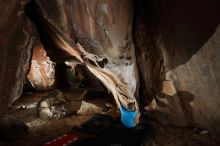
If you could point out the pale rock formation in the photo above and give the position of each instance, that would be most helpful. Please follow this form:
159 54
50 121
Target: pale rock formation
42 70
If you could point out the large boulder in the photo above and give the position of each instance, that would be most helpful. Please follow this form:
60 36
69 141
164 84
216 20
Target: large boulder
178 53
16 40
42 70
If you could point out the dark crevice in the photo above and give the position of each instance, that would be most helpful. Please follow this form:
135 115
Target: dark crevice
53 52
146 16
141 84
32 11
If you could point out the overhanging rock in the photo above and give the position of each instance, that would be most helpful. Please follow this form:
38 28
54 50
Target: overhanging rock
16 40
99 35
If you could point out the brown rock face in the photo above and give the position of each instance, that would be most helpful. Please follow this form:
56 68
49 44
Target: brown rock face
99 35
178 55
42 70
16 39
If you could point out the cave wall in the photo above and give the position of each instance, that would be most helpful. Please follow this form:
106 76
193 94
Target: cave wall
42 70
99 34
16 39
178 56
176 48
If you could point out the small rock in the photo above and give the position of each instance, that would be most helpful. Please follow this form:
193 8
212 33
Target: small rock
108 105
53 105
88 108
204 132
22 107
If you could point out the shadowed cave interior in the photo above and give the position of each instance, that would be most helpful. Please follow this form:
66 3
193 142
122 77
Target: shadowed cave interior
69 68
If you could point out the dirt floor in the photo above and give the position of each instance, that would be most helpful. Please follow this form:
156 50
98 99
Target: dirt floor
42 131
181 136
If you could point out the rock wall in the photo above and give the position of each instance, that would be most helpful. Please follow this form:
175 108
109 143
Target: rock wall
16 40
99 35
176 49
42 70
178 56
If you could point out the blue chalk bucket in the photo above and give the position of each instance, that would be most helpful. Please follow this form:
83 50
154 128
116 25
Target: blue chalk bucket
127 117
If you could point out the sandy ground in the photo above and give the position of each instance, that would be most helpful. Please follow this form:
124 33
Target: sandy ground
42 131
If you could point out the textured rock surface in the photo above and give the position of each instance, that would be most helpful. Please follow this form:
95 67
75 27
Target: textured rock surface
198 85
88 108
178 56
42 70
98 34
16 39
52 106
177 52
